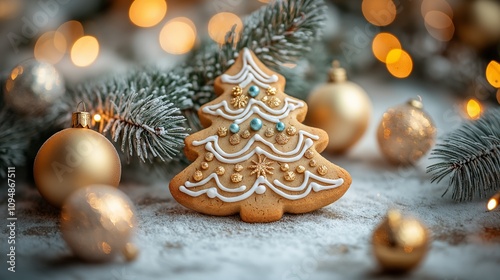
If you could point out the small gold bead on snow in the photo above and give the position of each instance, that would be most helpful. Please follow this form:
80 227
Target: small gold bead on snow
197 176
236 177
220 170
204 165
322 170
238 167
309 154
300 169
209 156
284 167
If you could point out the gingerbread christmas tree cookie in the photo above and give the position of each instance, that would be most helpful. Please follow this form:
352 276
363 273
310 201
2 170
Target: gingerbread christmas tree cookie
255 156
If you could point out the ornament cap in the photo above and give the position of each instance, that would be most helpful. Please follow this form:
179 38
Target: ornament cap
416 103
81 119
337 73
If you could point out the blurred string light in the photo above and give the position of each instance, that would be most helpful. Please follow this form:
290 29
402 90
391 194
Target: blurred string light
498 96
50 47
438 19
265 1
71 30
221 23
493 202
383 43
178 36
10 8
399 63
147 13
493 73
85 51
97 118
379 12
473 109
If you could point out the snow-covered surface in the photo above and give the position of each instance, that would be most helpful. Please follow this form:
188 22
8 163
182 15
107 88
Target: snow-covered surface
331 243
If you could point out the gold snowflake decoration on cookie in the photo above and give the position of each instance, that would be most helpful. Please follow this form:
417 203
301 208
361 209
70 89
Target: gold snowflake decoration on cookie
239 101
262 167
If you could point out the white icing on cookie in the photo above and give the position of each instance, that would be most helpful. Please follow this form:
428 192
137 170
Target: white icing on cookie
242 114
259 188
216 178
250 72
226 158
257 137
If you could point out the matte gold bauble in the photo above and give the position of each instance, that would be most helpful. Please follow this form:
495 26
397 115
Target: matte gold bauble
400 243
74 158
406 133
341 108
97 223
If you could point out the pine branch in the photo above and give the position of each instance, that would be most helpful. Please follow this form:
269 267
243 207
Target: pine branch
280 32
470 158
15 135
142 113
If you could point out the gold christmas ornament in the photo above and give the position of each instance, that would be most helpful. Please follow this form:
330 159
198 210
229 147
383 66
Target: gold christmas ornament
341 108
400 243
406 133
74 158
32 87
97 223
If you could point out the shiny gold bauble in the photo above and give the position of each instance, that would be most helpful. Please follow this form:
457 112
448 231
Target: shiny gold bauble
406 133
400 243
74 158
341 108
33 86
97 223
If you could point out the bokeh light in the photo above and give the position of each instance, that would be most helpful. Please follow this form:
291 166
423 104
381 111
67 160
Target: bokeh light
147 13
493 73
439 25
50 47
97 118
10 8
178 36
498 96
379 12
383 43
399 63
436 5
492 204
71 30
473 109
85 51
221 23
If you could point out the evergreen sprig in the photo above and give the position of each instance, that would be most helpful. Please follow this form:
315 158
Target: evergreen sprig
141 112
15 135
470 158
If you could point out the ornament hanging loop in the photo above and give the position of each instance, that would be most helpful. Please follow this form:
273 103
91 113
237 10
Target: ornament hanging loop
81 119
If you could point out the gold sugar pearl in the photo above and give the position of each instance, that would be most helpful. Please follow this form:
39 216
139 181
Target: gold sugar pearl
274 102
282 139
245 134
289 176
265 99
197 176
269 132
271 91
222 131
300 169
204 165
237 91
313 163
291 130
236 177
238 167
322 170
284 167
235 139
220 170
209 156
309 154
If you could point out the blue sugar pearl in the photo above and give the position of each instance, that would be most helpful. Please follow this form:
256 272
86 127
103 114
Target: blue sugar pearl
234 128
253 91
256 124
280 126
